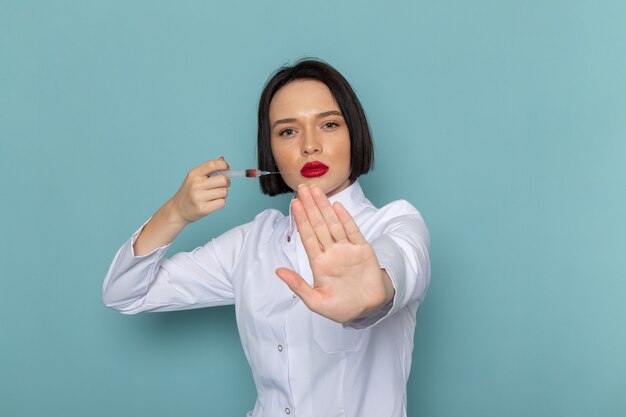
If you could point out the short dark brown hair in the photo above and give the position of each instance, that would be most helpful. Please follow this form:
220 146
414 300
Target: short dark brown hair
361 146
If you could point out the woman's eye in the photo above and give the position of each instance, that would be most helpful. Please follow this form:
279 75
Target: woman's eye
330 125
286 132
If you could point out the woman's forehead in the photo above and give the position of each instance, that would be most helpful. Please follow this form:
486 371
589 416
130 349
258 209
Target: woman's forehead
302 96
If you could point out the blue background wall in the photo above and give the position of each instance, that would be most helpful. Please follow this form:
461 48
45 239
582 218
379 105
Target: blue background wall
504 122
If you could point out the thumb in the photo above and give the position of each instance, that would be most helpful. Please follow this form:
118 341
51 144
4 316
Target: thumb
297 284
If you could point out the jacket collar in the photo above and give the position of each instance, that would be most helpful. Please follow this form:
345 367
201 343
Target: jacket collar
352 198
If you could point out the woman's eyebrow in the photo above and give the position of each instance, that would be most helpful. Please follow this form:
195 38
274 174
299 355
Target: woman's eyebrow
319 116
329 113
277 122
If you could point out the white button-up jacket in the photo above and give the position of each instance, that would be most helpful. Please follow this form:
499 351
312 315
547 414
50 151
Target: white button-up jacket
303 364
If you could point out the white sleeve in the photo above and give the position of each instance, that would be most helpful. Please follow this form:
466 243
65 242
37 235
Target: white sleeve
402 251
200 278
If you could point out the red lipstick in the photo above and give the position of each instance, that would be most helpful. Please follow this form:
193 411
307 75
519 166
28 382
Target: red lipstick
313 169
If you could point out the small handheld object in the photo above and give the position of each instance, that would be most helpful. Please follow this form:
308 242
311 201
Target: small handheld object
247 173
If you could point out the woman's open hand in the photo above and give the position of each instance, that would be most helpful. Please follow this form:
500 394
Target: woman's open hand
348 282
200 194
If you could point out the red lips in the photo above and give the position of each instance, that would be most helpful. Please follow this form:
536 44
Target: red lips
313 169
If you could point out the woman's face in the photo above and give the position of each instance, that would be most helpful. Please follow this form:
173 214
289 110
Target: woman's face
309 137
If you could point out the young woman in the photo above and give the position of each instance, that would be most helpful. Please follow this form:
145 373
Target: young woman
325 297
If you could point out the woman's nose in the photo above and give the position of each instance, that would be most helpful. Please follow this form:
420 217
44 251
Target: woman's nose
311 143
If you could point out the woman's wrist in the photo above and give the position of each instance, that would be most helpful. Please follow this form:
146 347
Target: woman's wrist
161 230
171 215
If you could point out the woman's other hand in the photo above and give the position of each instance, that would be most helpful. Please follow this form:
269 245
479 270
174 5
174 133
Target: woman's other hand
348 282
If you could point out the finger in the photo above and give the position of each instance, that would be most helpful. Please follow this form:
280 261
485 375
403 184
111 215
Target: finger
330 217
215 181
212 194
352 230
309 239
213 205
211 166
298 285
315 217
